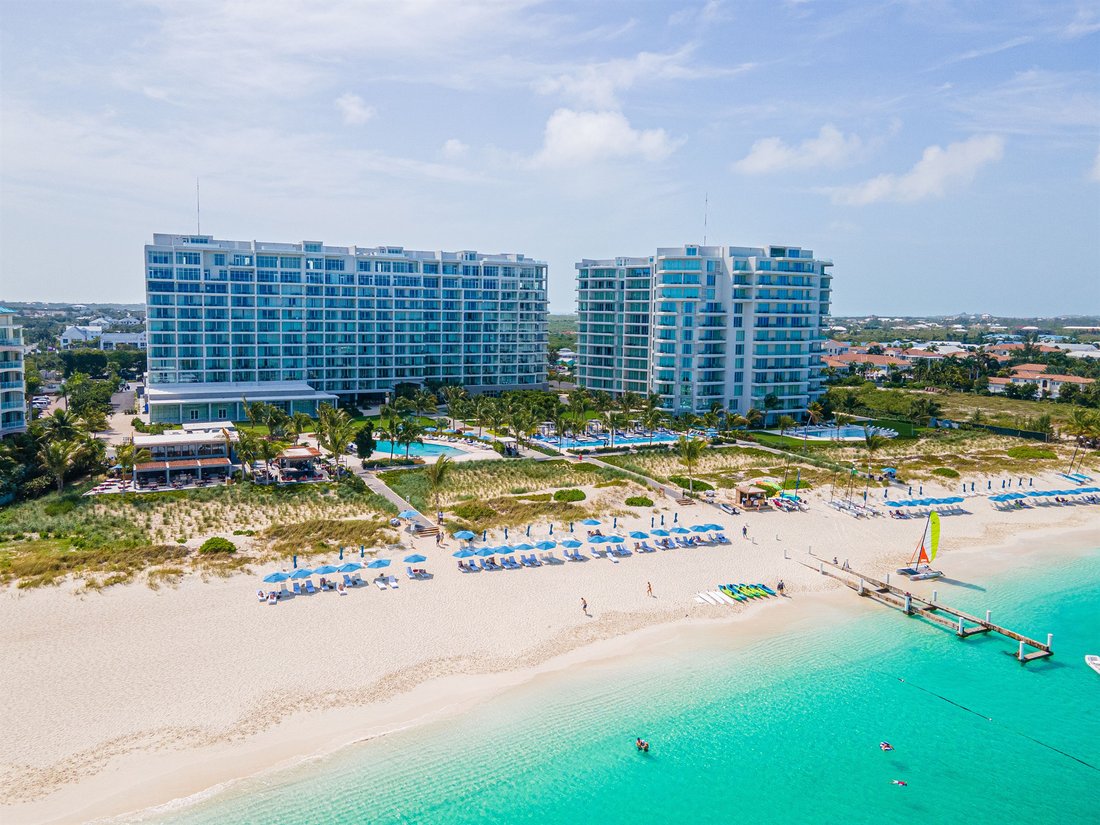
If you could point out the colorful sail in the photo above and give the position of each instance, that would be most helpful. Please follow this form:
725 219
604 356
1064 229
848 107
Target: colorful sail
934 535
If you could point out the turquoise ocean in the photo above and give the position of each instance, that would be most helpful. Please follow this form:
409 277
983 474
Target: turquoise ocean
778 730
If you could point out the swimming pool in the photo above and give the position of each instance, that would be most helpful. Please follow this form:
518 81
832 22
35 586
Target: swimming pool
417 450
602 441
847 432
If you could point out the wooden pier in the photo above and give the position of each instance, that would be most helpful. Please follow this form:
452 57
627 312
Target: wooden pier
961 624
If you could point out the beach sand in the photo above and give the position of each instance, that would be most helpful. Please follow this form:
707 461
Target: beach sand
128 698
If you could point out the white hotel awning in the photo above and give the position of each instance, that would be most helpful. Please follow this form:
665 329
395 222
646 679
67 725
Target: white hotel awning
157 394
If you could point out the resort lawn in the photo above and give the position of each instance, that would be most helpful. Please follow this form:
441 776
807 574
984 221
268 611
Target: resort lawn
995 409
110 538
718 467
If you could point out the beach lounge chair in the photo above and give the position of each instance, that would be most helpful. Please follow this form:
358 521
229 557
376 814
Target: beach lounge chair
391 581
622 551
482 564
262 595
272 599
347 581
297 589
411 573
309 586
381 585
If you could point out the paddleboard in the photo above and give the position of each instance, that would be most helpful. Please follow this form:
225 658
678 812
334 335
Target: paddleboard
1093 662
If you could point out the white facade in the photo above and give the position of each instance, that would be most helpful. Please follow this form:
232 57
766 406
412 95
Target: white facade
698 325
115 340
13 390
346 321
79 336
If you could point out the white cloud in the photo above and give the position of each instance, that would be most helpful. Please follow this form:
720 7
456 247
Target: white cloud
453 149
597 85
1085 23
936 171
1094 173
985 51
576 138
354 109
831 147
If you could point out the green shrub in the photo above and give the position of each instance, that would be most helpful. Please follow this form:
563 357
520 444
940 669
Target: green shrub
696 485
217 544
61 506
474 511
569 494
945 472
639 501
534 497
1031 452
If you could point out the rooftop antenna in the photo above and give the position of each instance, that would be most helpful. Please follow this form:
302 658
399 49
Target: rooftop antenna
706 209
198 209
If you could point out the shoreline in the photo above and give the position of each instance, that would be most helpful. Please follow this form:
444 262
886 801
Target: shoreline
146 780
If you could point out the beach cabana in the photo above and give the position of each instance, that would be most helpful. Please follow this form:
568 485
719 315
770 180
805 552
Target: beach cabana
750 495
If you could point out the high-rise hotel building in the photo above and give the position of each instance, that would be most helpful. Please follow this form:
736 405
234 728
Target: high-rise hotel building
740 326
13 398
298 324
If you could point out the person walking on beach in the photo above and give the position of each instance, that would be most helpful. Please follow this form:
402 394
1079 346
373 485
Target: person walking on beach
584 606
745 531
649 589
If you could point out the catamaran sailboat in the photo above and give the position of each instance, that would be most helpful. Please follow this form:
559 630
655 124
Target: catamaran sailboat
920 566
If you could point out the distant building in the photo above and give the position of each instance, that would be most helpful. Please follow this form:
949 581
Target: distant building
116 340
79 336
1048 383
13 389
187 455
832 347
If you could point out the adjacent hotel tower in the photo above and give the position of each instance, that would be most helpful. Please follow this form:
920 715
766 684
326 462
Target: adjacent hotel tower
297 324
736 325
13 400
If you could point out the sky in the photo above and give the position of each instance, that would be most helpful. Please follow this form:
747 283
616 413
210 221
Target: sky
945 156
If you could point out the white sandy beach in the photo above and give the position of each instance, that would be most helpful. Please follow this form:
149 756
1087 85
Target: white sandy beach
128 698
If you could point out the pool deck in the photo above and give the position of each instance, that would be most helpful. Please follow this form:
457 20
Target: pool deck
468 451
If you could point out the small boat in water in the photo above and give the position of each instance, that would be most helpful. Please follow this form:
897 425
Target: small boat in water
920 566
1093 662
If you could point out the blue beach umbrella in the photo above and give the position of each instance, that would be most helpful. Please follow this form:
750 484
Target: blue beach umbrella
276 577
350 567
616 539
591 522
638 534
660 532
415 558
464 535
379 563
463 554
701 528
504 548
597 539
486 551
546 545
680 530
615 523
895 504
325 570
525 547
572 544
301 573
408 514
341 554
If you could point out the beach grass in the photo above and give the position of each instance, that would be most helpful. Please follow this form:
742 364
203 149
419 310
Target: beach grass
495 479
48 539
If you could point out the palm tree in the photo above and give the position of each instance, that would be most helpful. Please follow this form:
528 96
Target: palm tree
1084 426
629 402
561 423
300 424
814 413
436 474
523 424
267 450
409 433
689 449
255 412
785 422
93 420
335 431
60 425
753 416
425 399
651 419
127 456
391 430
453 395
484 407
872 442
58 457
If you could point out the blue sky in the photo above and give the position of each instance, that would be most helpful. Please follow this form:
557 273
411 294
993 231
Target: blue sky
946 156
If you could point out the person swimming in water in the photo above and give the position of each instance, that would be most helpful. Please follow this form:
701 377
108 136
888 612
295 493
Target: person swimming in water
641 744
886 746
901 782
